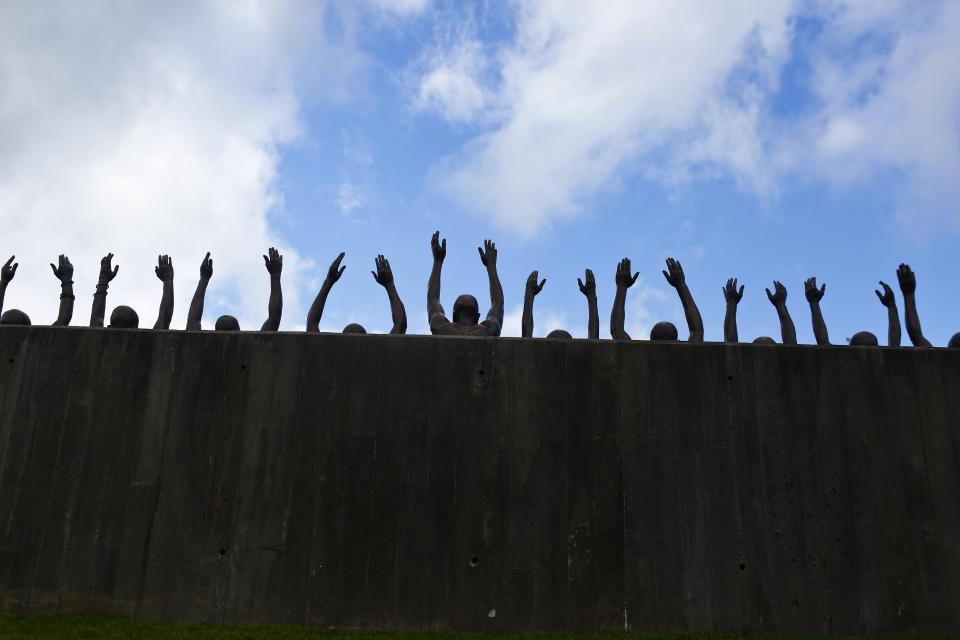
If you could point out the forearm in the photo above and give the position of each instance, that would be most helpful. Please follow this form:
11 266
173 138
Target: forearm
275 306
397 310
316 309
3 292
819 326
433 285
496 296
166 307
526 322
694 321
913 322
617 315
99 306
788 333
196 306
66 305
730 324
593 319
893 327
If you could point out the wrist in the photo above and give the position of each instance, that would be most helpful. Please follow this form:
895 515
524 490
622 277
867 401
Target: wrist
66 283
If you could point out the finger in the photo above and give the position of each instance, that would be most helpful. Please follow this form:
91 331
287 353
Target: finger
342 269
109 256
375 276
878 295
634 279
13 269
54 269
580 283
9 261
266 261
480 251
115 269
443 245
741 288
823 288
542 282
210 263
666 275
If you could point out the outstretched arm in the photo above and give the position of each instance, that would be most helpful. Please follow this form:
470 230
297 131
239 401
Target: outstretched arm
488 256
778 298
617 314
164 271
530 291
274 264
6 275
435 314
813 297
908 284
675 277
64 273
593 318
384 277
196 305
893 318
732 296
100 296
316 309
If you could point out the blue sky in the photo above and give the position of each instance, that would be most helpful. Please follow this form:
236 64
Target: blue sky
767 141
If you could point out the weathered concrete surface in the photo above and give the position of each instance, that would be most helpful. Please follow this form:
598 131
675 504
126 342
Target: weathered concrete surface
426 482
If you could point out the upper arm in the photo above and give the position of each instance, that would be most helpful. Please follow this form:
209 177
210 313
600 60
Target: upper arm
492 324
436 315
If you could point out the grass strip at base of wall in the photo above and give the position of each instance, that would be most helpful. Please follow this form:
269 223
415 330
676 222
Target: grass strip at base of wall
104 627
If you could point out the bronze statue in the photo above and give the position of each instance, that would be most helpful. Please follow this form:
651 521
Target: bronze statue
274 265
164 271
666 331
559 334
466 311
226 323
764 340
100 295
893 318
678 281
123 317
732 296
863 339
64 273
908 285
814 296
778 298
589 289
530 291
196 305
954 341
6 275
384 277
316 309
624 281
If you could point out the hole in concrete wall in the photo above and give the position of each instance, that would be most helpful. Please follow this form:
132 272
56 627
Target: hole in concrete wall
242 367
479 372
222 552
729 377
743 566
11 360
474 561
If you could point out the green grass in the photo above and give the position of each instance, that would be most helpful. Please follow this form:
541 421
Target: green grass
77 626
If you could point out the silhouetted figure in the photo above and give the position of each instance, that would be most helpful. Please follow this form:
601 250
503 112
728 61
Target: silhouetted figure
589 289
764 340
559 334
226 323
665 331
123 317
888 300
6 275
466 311
624 281
813 297
274 264
316 309
732 296
530 291
196 305
908 285
164 271
863 339
778 298
99 308
384 277
954 341
677 280
14 316
353 327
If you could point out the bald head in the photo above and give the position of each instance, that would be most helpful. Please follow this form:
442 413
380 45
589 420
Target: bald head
15 316
124 317
466 310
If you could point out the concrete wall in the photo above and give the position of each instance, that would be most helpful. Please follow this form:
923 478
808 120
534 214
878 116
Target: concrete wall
430 482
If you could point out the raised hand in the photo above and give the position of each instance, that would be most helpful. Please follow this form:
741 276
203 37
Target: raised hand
383 275
623 274
779 296
730 293
206 267
273 262
64 272
532 287
488 254
439 248
335 270
675 276
590 288
810 290
886 298
106 273
8 270
164 268
908 281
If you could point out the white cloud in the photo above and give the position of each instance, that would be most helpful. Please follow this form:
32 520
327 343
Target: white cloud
451 82
143 129
402 7
643 302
